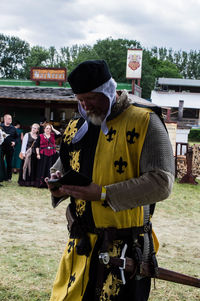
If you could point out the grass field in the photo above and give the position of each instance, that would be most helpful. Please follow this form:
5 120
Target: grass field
33 237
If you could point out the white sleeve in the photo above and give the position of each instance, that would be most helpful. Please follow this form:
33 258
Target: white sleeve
56 131
24 144
1 137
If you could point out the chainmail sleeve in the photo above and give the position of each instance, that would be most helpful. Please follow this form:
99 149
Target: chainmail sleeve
156 168
157 150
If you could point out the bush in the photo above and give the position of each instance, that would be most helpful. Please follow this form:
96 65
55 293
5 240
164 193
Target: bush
194 135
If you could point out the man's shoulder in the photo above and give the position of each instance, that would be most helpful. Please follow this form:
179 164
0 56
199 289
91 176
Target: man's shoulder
10 127
137 111
71 129
75 122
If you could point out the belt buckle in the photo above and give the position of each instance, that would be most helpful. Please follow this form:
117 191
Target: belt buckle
104 258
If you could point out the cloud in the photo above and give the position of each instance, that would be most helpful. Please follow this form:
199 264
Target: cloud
60 23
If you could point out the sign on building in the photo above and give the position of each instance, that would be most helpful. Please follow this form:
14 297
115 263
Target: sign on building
48 74
134 64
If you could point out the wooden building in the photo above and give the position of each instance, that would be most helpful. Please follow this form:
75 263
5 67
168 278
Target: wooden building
29 102
180 99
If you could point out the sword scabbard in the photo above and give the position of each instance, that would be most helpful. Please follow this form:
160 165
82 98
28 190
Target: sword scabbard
168 275
147 270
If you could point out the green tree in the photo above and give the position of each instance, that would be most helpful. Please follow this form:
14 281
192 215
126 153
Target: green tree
155 62
83 53
70 57
54 58
13 53
152 68
38 57
16 59
115 54
65 57
181 62
165 69
148 76
193 68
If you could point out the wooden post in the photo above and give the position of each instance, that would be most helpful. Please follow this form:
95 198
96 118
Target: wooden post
180 110
47 110
133 86
168 115
188 177
199 119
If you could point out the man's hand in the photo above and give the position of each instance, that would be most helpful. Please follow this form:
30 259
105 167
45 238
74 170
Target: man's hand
91 192
12 143
56 193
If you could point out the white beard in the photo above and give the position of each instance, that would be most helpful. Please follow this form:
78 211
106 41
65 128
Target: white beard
94 119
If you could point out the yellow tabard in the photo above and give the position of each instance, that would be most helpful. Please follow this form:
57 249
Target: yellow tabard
116 159
73 273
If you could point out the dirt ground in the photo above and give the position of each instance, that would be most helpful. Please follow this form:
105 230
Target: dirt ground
29 225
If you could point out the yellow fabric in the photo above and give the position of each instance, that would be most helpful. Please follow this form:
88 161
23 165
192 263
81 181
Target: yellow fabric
104 171
132 121
155 241
70 131
76 267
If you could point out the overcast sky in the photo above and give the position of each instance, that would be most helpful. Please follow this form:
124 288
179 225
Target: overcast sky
164 23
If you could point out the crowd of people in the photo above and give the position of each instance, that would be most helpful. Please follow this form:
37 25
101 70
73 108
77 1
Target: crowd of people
30 155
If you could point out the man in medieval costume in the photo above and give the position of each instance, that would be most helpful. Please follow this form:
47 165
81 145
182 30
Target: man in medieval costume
125 150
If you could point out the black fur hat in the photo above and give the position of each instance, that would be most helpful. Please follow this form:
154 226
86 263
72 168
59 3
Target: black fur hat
88 76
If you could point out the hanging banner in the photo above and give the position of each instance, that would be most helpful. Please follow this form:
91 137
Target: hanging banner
134 63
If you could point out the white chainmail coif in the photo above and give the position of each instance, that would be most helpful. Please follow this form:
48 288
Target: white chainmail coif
109 90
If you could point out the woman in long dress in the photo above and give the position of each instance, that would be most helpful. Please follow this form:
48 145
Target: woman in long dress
16 161
2 165
46 153
27 175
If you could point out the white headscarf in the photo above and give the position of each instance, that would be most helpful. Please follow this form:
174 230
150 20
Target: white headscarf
109 90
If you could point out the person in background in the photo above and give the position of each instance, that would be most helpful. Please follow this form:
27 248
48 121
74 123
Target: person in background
2 164
27 174
43 122
16 161
9 143
46 153
126 152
